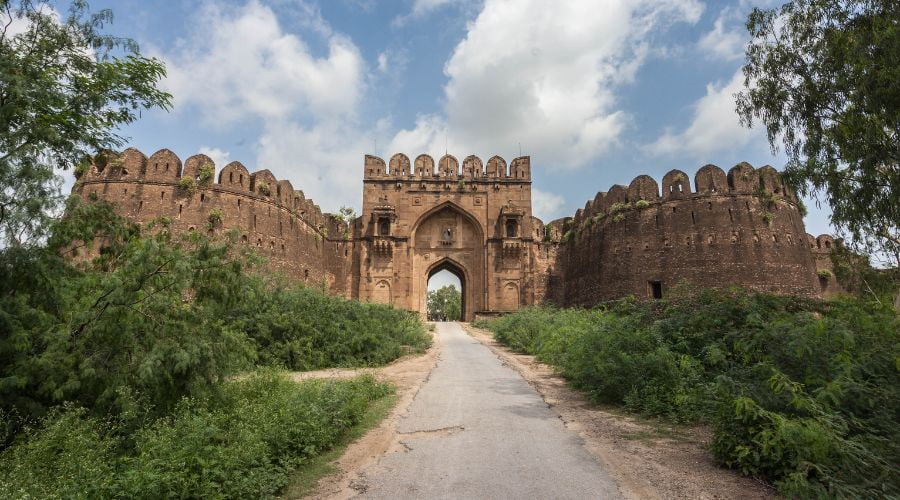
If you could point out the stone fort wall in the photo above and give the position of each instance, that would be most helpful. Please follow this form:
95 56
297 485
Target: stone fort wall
743 228
290 231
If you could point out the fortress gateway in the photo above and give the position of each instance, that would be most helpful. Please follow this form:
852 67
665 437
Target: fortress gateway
744 228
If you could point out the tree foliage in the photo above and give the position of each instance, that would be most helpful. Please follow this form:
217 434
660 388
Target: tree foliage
65 87
821 76
444 304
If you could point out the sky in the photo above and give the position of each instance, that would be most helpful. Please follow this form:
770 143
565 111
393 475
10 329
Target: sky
595 91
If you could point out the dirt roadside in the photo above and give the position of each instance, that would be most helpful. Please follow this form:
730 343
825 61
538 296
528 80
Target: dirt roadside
647 460
408 374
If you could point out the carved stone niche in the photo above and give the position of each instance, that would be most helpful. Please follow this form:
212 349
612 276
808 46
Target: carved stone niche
511 221
383 219
511 230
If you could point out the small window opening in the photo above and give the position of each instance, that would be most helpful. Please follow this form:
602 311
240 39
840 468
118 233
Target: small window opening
202 197
244 238
709 205
384 226
162 195
180 208
230 176
656 289
730 215
241 179
512 229
693 219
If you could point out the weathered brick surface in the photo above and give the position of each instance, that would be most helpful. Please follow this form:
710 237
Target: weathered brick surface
420 216
289 230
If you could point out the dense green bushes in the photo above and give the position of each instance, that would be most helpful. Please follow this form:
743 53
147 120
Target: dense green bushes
802 393
243 443
157 317
117 344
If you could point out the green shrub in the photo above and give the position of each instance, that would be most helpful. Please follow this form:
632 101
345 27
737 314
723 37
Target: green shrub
263 188
244 443
824 273
619 207
187 186
215 217
641 204
800 393
206 173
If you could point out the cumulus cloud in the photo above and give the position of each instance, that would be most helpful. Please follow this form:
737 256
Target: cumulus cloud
247 65
714 125
544 76
545 205
728 38
324 160
219 157
250 68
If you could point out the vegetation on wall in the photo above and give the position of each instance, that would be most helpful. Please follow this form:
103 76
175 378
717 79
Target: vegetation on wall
801 393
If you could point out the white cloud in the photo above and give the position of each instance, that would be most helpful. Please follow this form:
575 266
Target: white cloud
728 38
546 206
249 67
544 75
325 160
219 157
714 126
422 8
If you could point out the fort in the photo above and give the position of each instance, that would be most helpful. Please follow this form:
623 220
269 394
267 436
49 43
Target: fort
743 228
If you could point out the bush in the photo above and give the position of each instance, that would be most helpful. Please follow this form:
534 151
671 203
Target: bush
187 186
206 173
244 443
801 393
156 317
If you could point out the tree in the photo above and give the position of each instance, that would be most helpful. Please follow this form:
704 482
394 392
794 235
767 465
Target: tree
65 87
821 76
444 304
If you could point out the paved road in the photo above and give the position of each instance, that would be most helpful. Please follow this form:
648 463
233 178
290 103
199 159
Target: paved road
477 430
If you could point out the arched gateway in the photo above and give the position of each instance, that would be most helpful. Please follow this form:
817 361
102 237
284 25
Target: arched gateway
424 217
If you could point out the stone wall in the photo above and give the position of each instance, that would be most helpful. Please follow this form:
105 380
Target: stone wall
289 230
743 228
740 229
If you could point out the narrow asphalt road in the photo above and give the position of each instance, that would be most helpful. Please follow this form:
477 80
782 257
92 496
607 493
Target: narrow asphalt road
476 429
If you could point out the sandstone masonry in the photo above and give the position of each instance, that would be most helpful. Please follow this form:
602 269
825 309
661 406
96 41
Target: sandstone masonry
743 228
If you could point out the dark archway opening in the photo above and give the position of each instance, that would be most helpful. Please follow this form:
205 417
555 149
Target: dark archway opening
444 282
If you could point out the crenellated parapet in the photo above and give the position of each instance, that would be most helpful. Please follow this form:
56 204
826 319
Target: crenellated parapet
165 167
289 229
742 228
424 167
709 181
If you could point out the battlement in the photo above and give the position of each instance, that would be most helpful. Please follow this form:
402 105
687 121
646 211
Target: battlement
165 167
709 180
399 167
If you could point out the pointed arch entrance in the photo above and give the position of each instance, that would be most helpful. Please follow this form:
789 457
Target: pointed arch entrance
449 265
448 238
